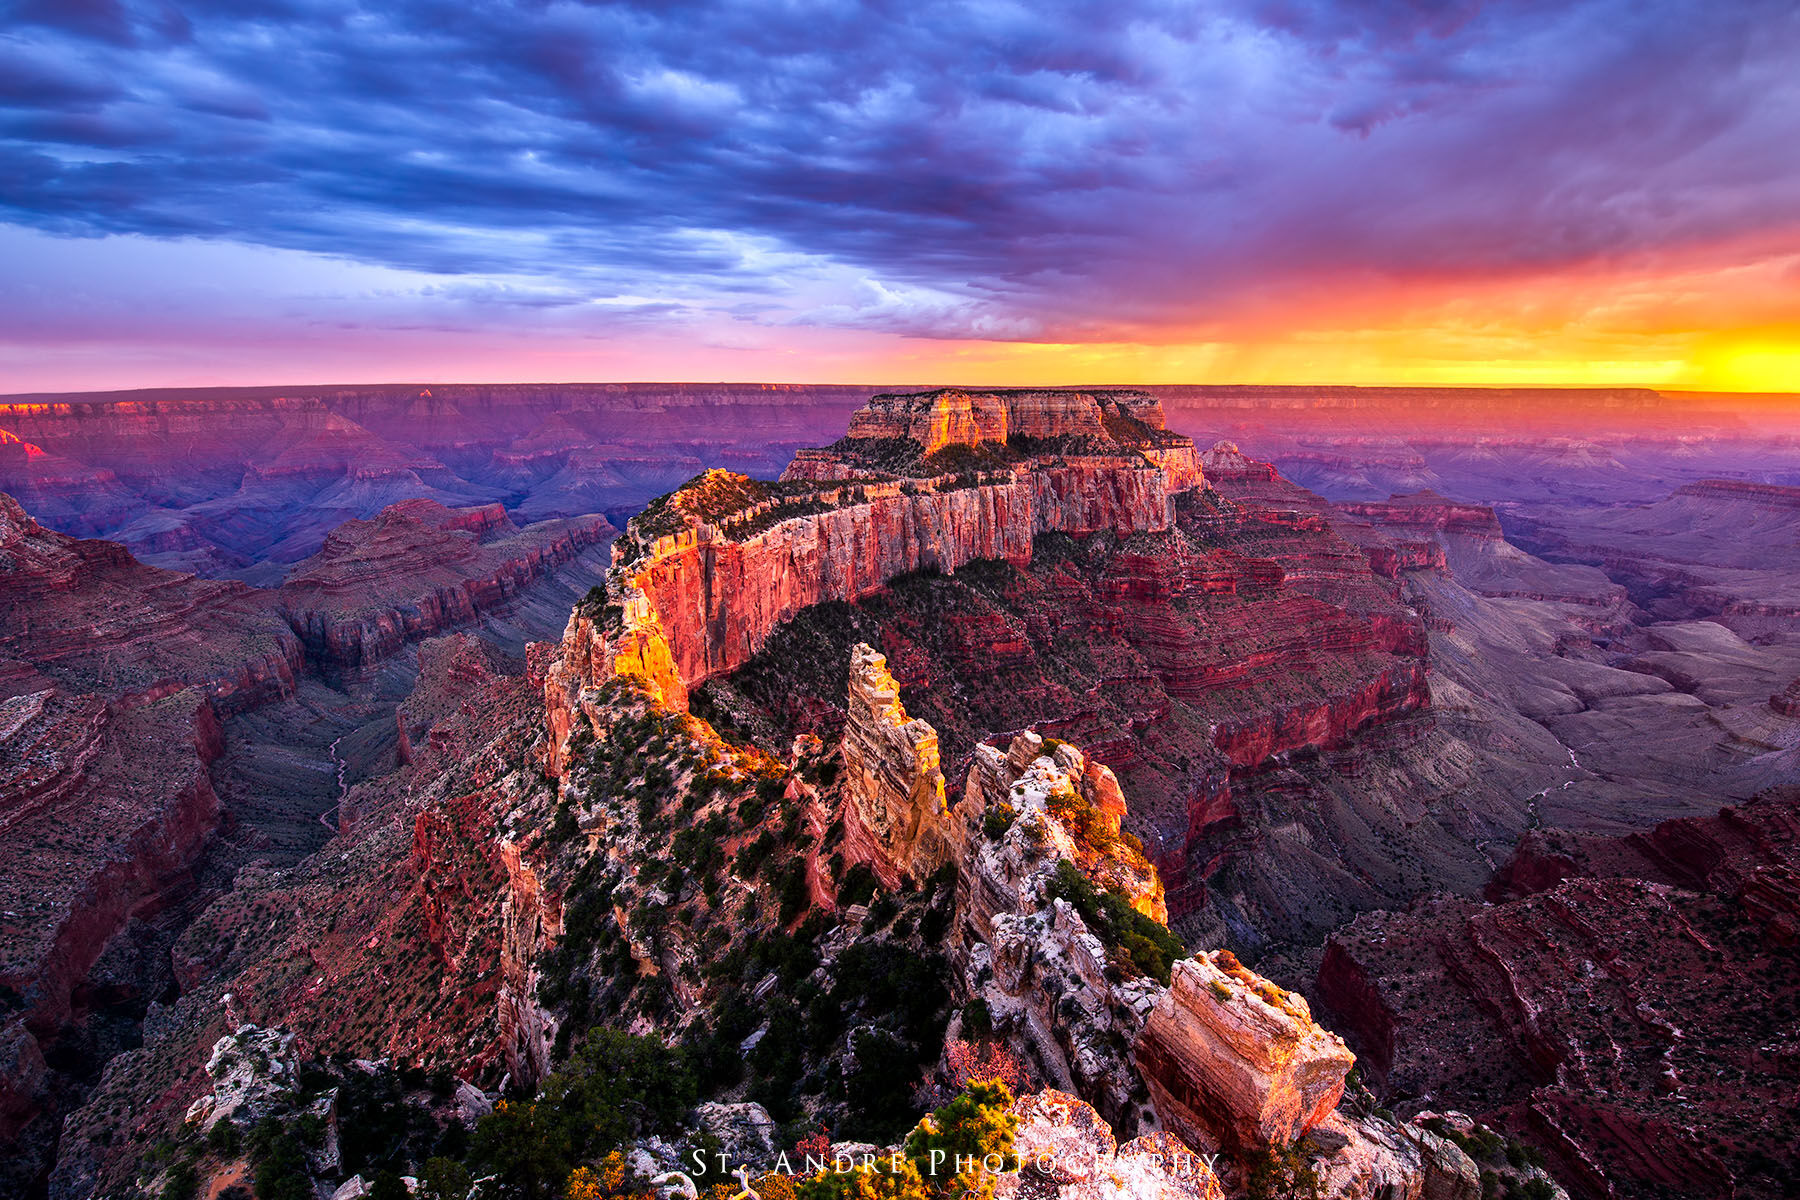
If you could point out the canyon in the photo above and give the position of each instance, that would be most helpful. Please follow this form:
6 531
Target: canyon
795 740
1615 988
239 481
144 712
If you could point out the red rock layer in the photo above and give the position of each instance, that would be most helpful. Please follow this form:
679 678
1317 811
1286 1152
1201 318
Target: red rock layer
1188 661
111 672
1626 1005
87 615
938 419
246 474
418 570
1739 489
102 812
425 943
410 938
719 599
1429 511
72 497
709 572
1187 641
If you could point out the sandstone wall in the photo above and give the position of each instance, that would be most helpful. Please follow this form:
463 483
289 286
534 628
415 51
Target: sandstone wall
715 600
411 573
938 419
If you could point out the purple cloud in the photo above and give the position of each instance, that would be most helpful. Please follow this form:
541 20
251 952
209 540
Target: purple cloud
946 169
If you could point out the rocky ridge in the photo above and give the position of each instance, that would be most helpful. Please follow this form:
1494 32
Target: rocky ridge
1202 664
1719 550
417 570
711 570
1214 1053
1213 598
1256 740
224 481
120 683
430 891
103 811
1073 1002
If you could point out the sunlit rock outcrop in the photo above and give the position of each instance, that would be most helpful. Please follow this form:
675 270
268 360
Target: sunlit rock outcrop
927 482
895 789
1028 952
1233 1060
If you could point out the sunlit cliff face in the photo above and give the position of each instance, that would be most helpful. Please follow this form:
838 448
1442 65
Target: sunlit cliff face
1600 192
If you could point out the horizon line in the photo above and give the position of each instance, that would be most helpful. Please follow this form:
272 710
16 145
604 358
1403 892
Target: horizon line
10 398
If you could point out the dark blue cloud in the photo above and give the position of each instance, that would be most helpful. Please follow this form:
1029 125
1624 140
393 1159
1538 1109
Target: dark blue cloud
960 169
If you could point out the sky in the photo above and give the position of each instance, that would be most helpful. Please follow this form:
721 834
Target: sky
1374 191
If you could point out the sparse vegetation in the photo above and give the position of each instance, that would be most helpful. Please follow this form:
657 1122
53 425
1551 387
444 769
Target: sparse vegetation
997 820
1145 945
974 1128
1281 1173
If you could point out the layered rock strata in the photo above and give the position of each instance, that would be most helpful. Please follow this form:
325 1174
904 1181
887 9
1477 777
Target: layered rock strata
1202 664
103 810
117 683
415 937
1026 951
90 618
417 570
711 570
1233 1060
1067 1151
1227 1060
1622 1000
1719 549
1080 797
216 480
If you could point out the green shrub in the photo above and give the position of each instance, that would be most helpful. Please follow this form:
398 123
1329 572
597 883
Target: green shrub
974 1126
616 1087
1147 943
224 1141
444 1179
997 820
1280 1173
387 1186
181 1181
977 1020
528 1148
280 1163
857 887
794 892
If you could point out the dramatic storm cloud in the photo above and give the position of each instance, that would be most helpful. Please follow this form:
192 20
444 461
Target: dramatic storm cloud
842 177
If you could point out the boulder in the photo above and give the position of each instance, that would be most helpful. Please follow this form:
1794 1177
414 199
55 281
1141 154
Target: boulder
746 1132
1067 1152
1232 1060
1369 1158
254 1075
